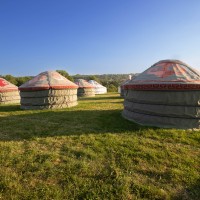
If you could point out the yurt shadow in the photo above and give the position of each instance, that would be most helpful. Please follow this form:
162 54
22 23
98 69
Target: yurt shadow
9 108
64 123
100 98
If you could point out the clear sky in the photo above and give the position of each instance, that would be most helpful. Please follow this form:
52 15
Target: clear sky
96 36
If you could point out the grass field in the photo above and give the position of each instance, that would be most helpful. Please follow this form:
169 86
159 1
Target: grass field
91 152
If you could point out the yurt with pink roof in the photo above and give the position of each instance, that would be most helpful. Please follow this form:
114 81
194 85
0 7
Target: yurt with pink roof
48 90
85 89
9 93
165 95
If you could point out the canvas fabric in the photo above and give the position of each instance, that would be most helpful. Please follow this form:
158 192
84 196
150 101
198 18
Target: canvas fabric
6 86
163 122
86 92
163 108
48 93
165 95
83 83
9 93
9 97
168 72
47 80
99 89
184 98
48 99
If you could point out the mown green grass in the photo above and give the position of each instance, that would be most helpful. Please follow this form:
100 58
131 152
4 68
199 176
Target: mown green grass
91 152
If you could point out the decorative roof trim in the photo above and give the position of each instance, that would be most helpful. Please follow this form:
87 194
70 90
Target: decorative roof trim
163 87
9 90
48 88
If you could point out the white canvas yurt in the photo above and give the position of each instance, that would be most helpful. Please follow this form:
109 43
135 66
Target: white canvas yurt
165 95
85 89
99 89
8 92
48 90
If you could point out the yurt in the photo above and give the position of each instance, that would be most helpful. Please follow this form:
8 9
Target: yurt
8 92
85 89
165 95
98 88
121 87
48 90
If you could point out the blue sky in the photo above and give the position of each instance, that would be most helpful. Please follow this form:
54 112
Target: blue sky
96 36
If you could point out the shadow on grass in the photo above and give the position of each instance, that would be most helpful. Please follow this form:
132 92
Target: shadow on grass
191 192
63 123
10 108
99 98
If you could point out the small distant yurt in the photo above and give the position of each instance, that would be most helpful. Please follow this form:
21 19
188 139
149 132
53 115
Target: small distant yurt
8 92
165 95
99 89
121 87
48 90
85 89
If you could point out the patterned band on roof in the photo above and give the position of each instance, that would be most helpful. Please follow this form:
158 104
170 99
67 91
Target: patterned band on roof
166 75
163 87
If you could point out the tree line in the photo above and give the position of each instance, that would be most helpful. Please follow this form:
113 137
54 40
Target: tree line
111 81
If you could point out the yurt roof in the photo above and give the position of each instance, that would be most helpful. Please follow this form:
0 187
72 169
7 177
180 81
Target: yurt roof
47 80
6 86
83 83
166 75
125 82
95 84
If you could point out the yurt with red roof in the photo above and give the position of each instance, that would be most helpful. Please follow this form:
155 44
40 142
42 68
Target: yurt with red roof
8 92
165 95
48 90
85 89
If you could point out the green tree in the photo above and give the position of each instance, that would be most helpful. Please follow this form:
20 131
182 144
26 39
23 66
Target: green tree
22 80
93 77
11 79
112 88
65 74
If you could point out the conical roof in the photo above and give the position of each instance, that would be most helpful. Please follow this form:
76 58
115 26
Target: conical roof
6 86
83 83
95 84
166 75
126 81
47 80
